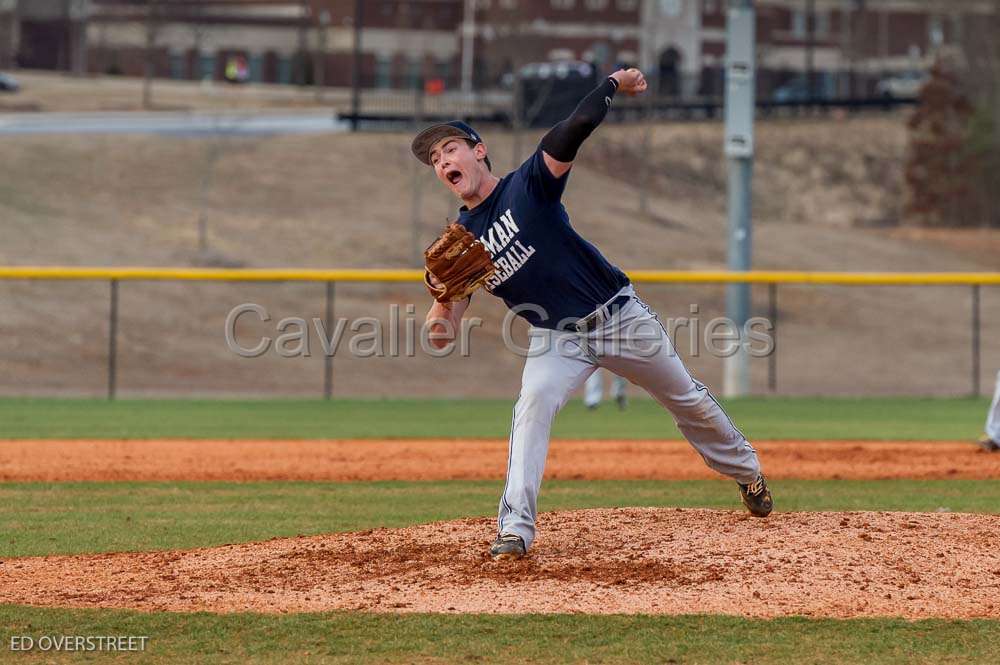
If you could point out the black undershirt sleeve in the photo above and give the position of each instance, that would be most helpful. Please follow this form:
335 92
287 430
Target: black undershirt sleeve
564 140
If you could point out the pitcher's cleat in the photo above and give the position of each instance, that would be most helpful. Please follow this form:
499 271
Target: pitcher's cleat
989 445
507 546
756 497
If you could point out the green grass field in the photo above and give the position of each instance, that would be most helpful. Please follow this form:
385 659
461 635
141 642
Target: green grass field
430 638
40 518
48 518
760 418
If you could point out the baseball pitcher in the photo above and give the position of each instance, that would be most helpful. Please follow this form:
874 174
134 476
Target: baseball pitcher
513 237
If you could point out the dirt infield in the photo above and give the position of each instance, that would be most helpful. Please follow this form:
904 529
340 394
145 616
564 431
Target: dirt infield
635 560
59 461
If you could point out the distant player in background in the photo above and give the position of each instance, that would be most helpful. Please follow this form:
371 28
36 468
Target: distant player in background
991 442
593 390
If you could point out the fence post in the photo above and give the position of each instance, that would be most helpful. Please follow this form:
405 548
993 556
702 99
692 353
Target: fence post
772 359
975 340
113 340
417 170
328 357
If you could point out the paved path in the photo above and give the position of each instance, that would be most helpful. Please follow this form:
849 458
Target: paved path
254 123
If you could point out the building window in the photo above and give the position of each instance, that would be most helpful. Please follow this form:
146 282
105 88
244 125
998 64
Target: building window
563 4
383 71
415 73
178 62
443 70
710 6
956 28
935 30
670 7
627 5
284 69
206 67
256 67
823 24
799 24
597 4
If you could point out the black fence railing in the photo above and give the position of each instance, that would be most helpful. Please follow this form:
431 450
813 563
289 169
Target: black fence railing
402 115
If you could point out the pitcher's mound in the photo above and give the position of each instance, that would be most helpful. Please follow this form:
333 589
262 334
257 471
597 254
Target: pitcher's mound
635 560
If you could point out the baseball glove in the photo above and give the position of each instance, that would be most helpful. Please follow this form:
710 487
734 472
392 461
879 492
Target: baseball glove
458 264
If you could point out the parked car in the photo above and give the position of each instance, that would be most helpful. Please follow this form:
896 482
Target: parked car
8 83
901 86
796 90
551 90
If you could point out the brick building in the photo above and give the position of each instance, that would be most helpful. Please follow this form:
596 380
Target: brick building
42 34
681 43
283 41
844 42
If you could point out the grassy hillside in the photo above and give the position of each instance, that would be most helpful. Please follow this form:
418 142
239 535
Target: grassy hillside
348 201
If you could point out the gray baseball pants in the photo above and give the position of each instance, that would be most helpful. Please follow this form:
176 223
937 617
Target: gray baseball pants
633 344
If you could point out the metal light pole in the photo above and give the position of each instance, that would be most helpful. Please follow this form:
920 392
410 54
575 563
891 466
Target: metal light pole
359 8
148 65
468 43
811 49
79 14
847 47
739 147
300 70
322 30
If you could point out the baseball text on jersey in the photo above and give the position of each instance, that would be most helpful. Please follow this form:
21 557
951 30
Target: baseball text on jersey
508 253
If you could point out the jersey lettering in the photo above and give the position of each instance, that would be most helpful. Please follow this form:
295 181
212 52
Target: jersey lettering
508 253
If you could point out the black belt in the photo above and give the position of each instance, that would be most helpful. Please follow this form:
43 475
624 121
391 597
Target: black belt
591 321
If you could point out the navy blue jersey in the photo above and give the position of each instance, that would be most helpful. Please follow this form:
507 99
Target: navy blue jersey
546 272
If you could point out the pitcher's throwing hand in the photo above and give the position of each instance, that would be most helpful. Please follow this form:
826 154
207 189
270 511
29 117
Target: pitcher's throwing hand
630 81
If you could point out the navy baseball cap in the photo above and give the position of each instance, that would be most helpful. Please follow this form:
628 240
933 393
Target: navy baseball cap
456 128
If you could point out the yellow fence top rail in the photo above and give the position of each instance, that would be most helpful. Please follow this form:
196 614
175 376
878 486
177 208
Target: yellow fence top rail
380 275
210 274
